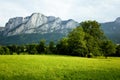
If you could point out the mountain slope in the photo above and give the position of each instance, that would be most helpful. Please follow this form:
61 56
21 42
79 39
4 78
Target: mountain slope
112 30
30 38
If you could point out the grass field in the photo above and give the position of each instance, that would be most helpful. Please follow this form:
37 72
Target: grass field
46 67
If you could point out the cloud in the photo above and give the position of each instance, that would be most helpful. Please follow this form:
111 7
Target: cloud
9 10
79 10
99 10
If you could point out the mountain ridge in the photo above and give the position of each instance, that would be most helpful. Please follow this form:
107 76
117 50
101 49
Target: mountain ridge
112 30
37 23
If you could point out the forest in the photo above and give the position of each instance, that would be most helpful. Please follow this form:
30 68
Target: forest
87 40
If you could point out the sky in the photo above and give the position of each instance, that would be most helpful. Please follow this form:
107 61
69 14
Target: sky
79 10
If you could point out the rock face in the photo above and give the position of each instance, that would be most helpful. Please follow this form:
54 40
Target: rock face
38 23
1 29
117 20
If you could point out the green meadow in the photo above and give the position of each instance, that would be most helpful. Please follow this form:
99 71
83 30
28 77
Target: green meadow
52 67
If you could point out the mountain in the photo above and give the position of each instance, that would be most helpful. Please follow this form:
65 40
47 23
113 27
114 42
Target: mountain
112 30
23 30
1 29
31 29
38 23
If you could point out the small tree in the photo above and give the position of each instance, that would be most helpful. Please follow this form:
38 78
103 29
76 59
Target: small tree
118 50
62 47
51 47
31 49
10 49
41 47
2 50
6 50
18 51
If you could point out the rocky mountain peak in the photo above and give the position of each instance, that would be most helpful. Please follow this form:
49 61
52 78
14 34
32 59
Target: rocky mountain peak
117 20
37 23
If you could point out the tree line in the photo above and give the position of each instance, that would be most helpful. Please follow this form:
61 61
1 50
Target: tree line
86 40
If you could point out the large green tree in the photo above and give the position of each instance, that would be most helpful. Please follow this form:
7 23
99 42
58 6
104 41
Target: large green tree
93 29
92 46
94 36
88 39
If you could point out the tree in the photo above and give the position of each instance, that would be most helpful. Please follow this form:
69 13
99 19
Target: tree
19 49
108 48
118 50
2 50
13 49
31 49
41 47
94 37
51 47
93 29
6 50
62 47
76 42
92 46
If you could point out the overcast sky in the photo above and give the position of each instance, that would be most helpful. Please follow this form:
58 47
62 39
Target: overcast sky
79 10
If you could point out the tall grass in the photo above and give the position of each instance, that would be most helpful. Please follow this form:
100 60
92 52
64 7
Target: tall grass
49 67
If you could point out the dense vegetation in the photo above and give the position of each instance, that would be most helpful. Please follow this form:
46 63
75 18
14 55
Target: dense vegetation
85 40
44 67
23 39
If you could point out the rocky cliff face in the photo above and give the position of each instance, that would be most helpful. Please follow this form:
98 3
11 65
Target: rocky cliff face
1 29
38 23
117 20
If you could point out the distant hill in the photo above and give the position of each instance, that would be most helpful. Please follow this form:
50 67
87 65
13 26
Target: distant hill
112 30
